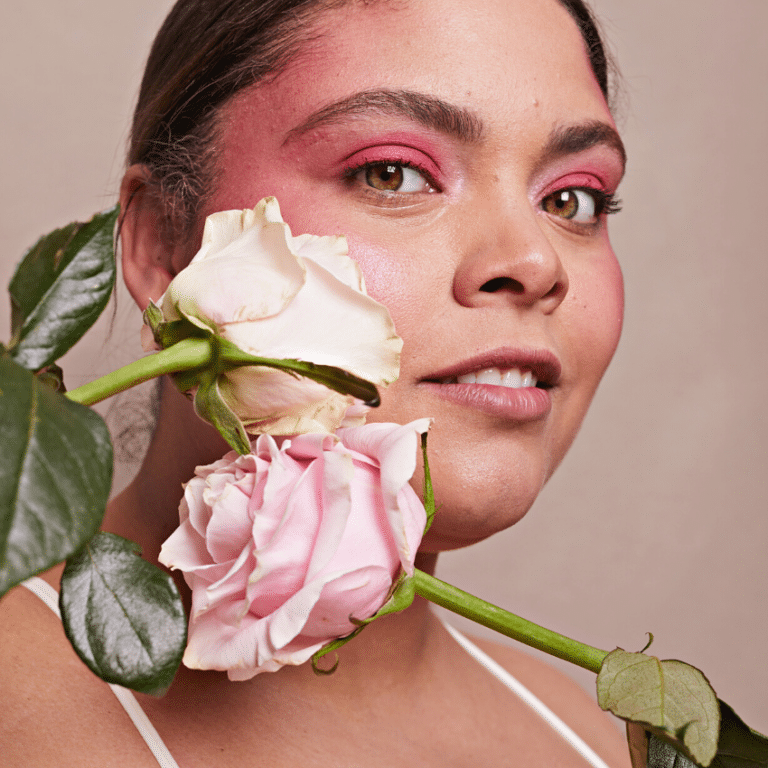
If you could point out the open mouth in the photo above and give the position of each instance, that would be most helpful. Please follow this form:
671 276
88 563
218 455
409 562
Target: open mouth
512 378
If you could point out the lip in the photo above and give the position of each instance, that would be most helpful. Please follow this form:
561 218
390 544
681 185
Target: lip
541 362
522 404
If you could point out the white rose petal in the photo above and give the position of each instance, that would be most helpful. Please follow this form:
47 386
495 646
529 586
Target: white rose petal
283 297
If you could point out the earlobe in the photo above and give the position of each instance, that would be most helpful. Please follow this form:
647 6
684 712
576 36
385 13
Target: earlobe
146 258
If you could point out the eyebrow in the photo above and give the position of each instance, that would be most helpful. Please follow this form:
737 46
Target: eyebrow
455 121
428 110
570 139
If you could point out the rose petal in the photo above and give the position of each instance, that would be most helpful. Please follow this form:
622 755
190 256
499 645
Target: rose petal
339 326
283 546
395 448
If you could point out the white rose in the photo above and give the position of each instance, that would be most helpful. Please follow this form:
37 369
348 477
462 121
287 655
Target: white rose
279 296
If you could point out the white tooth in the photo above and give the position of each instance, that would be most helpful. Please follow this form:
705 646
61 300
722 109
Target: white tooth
512 379
489 376
467 378
528 379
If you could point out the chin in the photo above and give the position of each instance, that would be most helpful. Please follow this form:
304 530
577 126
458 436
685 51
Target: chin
470 509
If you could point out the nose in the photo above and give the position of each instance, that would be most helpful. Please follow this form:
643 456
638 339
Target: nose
508 259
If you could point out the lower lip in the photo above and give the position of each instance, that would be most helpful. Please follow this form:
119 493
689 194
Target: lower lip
521 404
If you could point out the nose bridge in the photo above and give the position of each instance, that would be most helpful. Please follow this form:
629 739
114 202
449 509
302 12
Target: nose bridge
508 257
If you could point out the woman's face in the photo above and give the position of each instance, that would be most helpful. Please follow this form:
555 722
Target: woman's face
466 152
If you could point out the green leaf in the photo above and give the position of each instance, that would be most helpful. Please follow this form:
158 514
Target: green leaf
210 406
55 475
668 697
61 286
123 615
738 746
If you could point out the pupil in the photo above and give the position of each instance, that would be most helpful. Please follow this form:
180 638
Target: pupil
566 203
387 177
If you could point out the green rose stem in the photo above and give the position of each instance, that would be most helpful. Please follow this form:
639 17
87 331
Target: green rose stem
493 617
183 356
199 353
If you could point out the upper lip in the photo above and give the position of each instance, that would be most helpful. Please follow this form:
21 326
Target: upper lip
541 362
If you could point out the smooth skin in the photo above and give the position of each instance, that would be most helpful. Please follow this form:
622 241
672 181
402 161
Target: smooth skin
449 141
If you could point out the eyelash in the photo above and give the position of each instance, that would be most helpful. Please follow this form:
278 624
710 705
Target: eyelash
605 204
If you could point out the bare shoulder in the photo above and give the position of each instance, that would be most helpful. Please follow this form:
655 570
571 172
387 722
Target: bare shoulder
566 698
54 711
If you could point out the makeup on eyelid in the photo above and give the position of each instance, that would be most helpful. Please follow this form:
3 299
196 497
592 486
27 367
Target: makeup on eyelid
367 138
362 139
598 167
394 154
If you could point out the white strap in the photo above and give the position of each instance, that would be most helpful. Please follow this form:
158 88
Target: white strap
538 706
145 728
164 758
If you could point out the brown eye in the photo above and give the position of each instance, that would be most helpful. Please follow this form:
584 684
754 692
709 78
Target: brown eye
393 177
577 205
387 177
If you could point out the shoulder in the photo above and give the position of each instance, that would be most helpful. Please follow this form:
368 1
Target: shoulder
566 698
54 711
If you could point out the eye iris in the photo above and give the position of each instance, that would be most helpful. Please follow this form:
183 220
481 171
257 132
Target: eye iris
385 176
564 204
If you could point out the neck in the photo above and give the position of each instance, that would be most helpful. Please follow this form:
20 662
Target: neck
147 510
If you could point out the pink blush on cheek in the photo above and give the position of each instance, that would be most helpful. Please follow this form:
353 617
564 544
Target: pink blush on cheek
604 312
385 280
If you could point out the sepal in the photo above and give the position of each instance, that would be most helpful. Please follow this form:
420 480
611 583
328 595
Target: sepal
210 405
401 596
166 333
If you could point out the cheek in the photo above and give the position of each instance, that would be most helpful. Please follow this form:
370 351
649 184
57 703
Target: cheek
598 298
387 277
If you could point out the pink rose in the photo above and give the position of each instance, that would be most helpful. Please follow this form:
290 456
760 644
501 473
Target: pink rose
282 546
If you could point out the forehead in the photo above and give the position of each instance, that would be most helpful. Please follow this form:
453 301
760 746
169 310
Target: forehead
500 57
517 69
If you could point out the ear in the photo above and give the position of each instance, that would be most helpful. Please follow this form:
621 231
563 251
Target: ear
148 260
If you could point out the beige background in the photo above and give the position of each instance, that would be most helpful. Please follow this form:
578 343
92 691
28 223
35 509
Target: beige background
657 520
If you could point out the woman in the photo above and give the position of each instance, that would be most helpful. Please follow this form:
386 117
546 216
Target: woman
470 158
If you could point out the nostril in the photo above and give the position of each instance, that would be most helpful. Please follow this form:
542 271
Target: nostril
502 284
557 290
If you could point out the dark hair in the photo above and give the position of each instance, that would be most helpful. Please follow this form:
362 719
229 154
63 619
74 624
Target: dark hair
208 50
